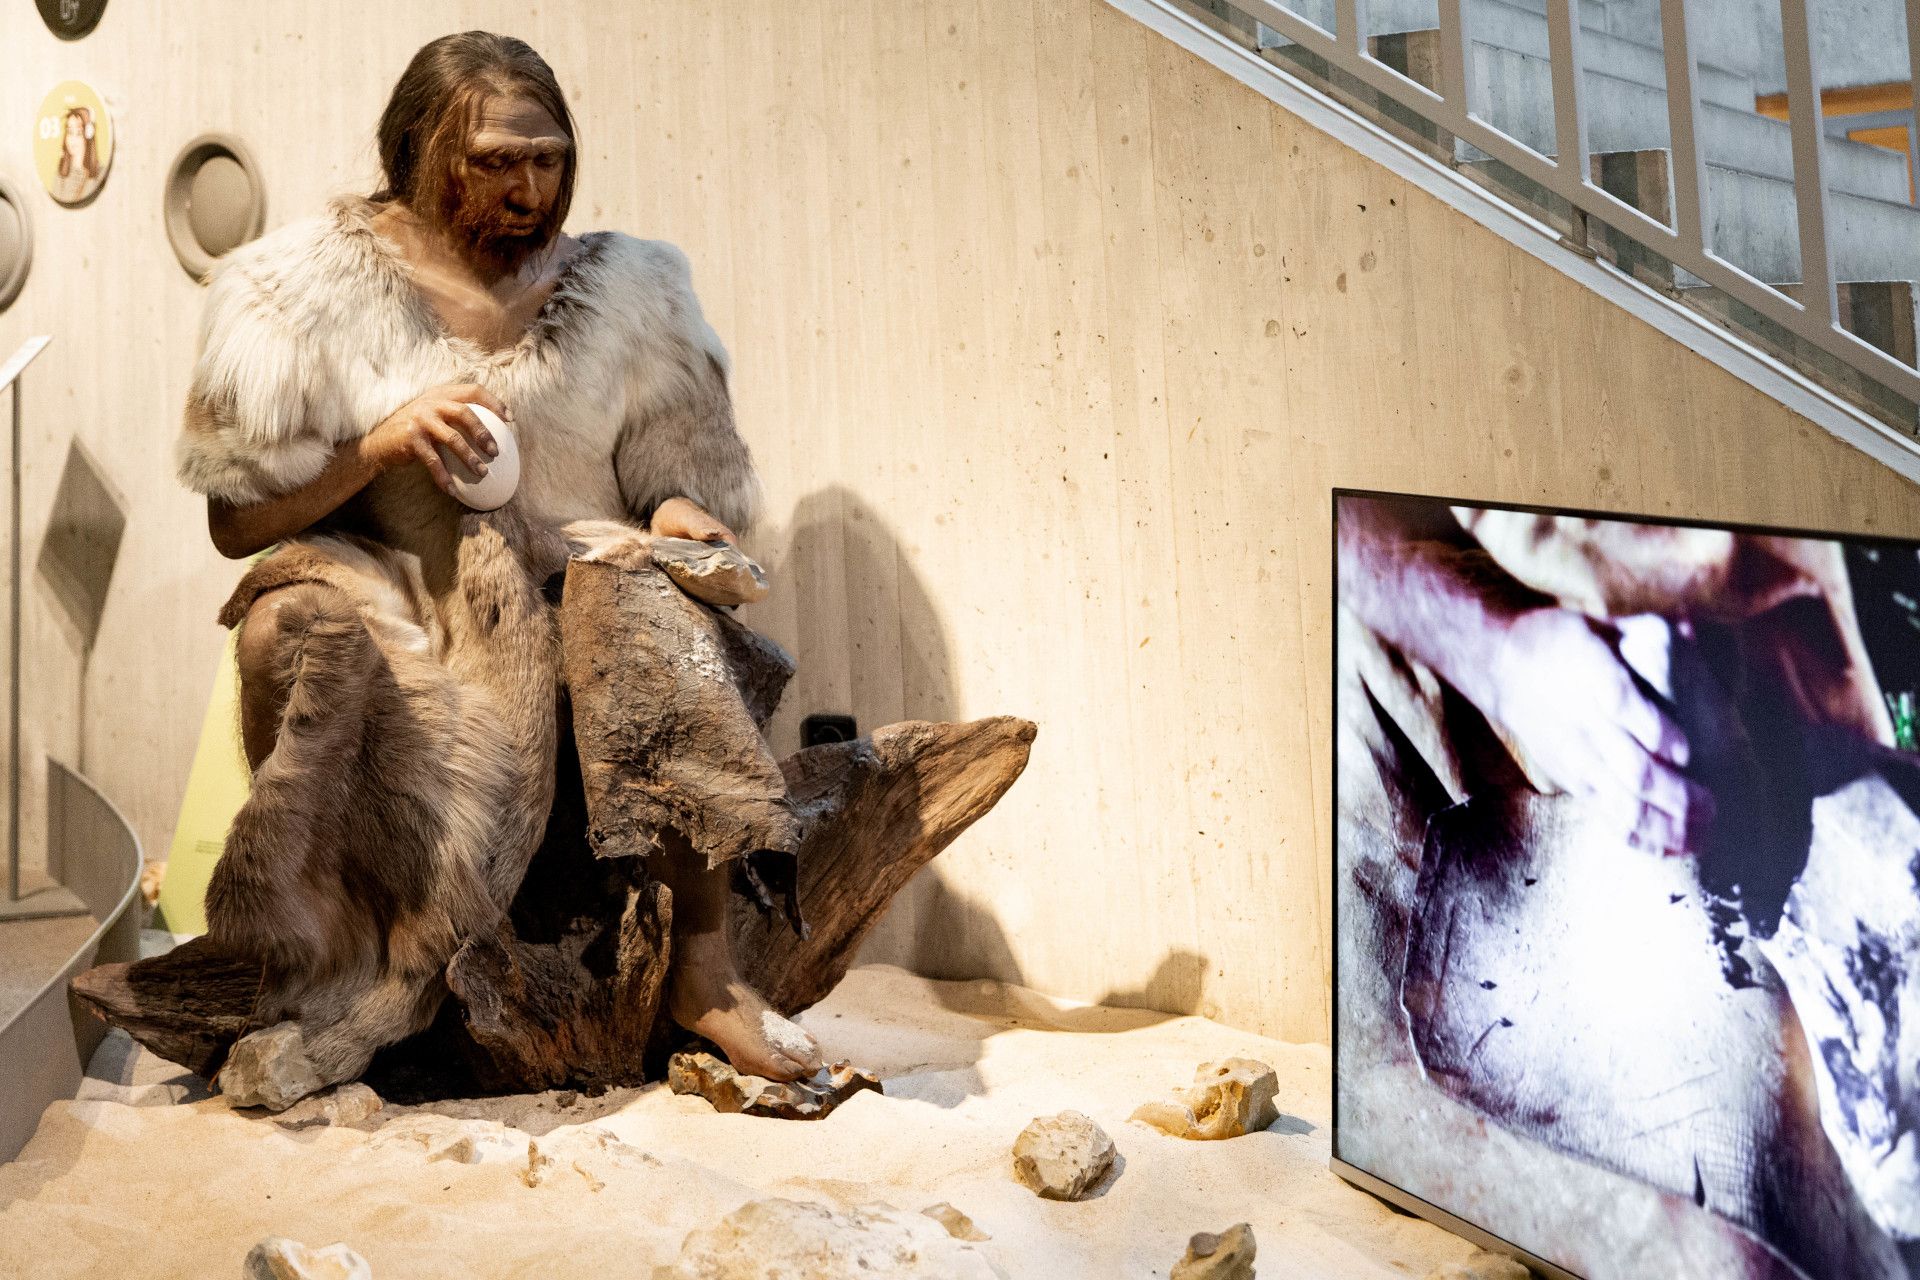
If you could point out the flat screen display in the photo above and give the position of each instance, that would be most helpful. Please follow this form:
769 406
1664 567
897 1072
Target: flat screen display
1627 887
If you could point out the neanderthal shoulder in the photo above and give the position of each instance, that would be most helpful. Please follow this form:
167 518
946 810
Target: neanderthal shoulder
641 290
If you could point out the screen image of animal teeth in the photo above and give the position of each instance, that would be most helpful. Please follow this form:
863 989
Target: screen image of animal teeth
1627 908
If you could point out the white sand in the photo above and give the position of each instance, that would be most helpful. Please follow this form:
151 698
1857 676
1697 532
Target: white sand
147 1176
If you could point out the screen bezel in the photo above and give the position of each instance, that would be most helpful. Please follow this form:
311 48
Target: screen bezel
1367 1181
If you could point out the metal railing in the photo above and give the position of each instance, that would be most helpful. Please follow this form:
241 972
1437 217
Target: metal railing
14 906
1813 316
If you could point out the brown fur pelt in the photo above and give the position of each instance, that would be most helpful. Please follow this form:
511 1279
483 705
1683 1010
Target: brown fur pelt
403 798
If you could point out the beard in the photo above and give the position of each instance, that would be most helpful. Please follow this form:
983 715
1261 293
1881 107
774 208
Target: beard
490 236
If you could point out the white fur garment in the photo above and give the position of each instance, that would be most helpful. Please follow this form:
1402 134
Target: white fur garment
314 333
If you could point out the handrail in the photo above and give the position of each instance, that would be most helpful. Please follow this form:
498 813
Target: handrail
10 373
22 356
107 909
1809 185
44 1045
1687 244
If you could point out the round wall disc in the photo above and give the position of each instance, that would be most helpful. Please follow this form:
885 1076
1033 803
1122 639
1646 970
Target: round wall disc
72 142
214 201
16 242
71 19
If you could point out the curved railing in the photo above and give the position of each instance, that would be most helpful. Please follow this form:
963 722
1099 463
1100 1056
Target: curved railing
45 1046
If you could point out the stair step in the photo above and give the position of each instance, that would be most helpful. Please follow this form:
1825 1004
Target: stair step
1881 313
1386 16
1755 224
1508 26
1513 92
1876 311
1593 13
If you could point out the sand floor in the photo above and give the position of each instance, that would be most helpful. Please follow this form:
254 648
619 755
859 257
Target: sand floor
145 1175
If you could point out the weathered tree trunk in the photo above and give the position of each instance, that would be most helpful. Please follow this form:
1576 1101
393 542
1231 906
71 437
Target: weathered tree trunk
568 992
874 811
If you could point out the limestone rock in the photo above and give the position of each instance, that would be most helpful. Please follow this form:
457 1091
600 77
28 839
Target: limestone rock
269 1068
808 1098
798 1240
1061 1157
1227 1256
1483 1265
587 1152
345 1106
1227 1100
278 1258
716 574
958 1224
461 1141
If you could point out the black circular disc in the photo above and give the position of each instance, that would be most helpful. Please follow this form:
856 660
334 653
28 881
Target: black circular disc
71 19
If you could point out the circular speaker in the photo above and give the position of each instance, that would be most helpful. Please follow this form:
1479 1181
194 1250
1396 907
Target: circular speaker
16 242
214 201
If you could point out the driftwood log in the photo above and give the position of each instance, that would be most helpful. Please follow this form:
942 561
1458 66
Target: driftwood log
568 991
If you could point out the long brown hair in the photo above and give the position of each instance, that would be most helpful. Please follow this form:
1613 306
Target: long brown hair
435 105
90 157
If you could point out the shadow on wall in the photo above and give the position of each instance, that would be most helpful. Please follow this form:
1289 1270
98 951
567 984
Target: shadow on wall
838 552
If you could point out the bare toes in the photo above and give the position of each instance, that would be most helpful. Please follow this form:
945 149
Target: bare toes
782 1068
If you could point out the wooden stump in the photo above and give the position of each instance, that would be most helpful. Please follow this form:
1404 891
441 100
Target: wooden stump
873 812
568 991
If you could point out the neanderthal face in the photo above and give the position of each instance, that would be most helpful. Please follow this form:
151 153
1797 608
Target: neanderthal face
505 193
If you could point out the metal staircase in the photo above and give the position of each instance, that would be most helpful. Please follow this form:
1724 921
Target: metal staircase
1635 129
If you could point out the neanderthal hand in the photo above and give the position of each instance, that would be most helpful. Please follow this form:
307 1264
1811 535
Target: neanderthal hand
683 518
437 416
1573 708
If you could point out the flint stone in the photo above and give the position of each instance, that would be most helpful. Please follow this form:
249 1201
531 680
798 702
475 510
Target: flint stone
269 1068
348 1105
1227 1256
1061 1157
722 574
278 1258
1483 1265
808 1098
799 1240
1227 1100
958 1224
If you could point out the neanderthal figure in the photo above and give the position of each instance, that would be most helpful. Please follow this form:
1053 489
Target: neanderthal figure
399 655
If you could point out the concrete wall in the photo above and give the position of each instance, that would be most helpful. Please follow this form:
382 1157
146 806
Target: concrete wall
1051 341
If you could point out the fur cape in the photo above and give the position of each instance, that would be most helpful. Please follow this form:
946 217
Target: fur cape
413 767
314 333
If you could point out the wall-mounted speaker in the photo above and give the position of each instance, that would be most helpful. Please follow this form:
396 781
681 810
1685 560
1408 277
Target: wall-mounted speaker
215 201
16 241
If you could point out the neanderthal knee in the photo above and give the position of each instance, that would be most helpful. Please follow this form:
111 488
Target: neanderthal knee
344 1031
262 657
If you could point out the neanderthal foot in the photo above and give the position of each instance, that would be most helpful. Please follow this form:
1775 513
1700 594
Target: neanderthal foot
707 996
